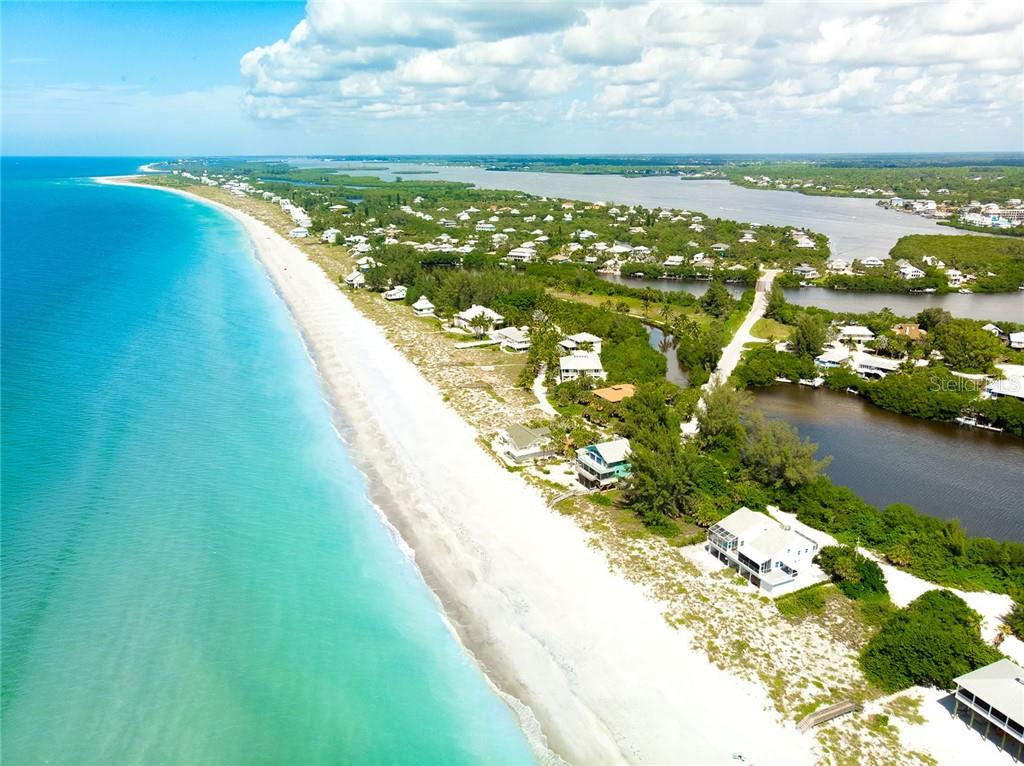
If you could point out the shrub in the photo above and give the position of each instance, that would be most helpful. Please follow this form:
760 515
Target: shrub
931 642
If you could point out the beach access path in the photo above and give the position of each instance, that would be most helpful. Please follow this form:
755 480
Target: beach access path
584 656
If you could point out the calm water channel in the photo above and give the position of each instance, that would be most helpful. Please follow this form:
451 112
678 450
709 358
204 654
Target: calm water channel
942 470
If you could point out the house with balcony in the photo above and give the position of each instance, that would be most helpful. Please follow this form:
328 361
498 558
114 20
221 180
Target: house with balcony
513 338
465 319
600 466
761 549
581 341
580 364
991 700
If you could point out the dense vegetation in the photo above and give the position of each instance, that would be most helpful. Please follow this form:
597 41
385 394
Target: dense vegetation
931 642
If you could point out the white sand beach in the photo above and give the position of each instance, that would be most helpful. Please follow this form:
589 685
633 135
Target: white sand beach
589 653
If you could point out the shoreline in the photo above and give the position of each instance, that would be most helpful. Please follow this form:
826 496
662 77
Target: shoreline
593 658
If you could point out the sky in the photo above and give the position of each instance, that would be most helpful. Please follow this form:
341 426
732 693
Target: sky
366 77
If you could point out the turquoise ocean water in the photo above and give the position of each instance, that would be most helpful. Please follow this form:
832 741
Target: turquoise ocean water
191 572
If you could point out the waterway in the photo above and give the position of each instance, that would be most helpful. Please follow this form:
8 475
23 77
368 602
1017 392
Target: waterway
674 373
943 470
856 228
993 306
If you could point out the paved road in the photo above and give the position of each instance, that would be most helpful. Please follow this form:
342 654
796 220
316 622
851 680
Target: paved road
734 350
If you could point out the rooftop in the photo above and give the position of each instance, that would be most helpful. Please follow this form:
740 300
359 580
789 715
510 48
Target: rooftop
1000 684
615 393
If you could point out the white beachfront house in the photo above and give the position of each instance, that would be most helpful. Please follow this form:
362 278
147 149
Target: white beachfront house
581 341
873 366
761 549
1016 340
513 338
580 364
523 254
355 279
871 262
299 232
994 698
600 466
806 271
464 319
423 307
832 355
396 293
521 444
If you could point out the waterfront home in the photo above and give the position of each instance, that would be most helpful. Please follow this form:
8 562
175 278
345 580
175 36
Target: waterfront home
522 444
484 226
672 261
616 393
558 258
832 356
355 279
580 364
909 270
872 366
806 271
464 319
720 248
994 329
855 332
1016 340
513 338
956 277
600 466
330 235
423 307
1012 387
396 293
581 341
761 549
871 262
299 232
992 699
837 265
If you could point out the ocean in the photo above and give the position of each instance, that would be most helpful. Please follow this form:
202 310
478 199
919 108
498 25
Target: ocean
191 570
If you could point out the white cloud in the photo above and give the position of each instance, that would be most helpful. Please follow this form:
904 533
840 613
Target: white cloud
742 64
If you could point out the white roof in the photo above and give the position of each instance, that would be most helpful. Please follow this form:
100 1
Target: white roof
863 359
614 451
585 337
422 303
580 361
1009 387
1000 684
476 310
856 331
513 334
772 542
742 521
836 353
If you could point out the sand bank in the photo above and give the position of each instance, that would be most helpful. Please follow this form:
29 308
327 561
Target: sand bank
589 653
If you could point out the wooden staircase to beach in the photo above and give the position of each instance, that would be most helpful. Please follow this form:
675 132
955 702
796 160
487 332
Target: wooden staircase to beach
825 714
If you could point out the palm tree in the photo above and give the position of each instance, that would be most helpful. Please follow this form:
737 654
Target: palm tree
481 324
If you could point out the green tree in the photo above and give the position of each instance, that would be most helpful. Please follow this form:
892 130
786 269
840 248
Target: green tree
776 304
717 301
931 642
965 346
481 324
774 454
808 336
856 576
932 317
721 417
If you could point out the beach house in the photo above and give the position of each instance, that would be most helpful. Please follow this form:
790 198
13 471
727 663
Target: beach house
581 341
600 466
761 549
580 364
856 333
909 270
355 279
465 319
1016 340
991 699
513 338
396 293
521 444
423 307
871 262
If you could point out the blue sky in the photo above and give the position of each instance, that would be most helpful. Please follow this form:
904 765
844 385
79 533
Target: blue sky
355 76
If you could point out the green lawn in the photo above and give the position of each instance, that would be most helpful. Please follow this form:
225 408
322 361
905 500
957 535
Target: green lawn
769 329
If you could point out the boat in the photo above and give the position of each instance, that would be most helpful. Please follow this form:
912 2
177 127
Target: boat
964 291
972 422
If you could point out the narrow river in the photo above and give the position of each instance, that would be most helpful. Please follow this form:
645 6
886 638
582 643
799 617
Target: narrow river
664 346
942 470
